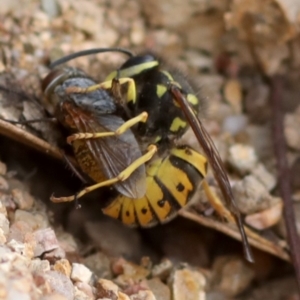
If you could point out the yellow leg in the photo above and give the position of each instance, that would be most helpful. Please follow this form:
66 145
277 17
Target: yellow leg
131 91
217 204
121 177
90 135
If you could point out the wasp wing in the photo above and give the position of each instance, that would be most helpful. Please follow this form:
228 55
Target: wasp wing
215 161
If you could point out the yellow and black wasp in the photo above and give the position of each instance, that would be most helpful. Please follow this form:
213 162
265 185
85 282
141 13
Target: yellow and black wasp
174 173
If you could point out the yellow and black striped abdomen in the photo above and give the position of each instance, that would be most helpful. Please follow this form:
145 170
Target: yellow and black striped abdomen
171 183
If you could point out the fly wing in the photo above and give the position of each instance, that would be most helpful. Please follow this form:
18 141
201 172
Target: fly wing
113 154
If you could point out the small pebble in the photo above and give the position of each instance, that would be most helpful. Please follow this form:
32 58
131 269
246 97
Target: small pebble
266 218
16 246
39 266
163 269
85 288
80 273
99 264
188 285
160 290
23 199
63 266
42 284
18 230
251 195
242 157
122 296
131 273
34 220
45 241
60 284
80 295
231 275
106 289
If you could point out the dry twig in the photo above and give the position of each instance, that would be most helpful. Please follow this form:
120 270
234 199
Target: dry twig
284 173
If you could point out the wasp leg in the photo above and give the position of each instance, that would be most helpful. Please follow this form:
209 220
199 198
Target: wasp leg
217 204
121 177
131 91
95 135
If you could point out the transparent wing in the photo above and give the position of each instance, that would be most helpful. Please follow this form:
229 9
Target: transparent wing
113 154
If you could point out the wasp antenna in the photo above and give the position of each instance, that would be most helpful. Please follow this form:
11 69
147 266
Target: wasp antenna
88 52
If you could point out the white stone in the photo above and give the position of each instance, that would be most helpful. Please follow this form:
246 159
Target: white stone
80 273
242 157
39 266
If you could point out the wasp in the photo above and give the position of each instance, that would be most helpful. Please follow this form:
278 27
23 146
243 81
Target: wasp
171 107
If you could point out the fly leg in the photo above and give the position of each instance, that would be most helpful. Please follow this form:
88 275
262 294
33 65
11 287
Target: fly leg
121 177
124 127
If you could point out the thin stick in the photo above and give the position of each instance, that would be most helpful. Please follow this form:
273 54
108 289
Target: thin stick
284 173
